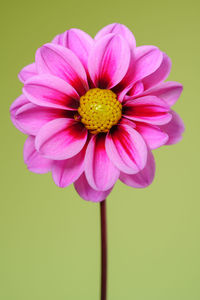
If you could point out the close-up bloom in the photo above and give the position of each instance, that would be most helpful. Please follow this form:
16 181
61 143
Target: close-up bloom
94 109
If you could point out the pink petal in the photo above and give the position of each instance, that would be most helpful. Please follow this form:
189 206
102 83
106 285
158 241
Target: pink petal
160 74
168 91
79 42
32 117
65 172
128 80
109 61
147 61
48 90
153 135
128 122
34 161
87 192
58 39
136 90
126 149
117 29
61 139
19 102
99 170
174 129
62 62
27 72
144 61
143 178
148 109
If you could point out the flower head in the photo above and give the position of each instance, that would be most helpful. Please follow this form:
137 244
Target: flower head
93 110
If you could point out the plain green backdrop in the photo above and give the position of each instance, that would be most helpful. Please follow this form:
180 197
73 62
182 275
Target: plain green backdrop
49 236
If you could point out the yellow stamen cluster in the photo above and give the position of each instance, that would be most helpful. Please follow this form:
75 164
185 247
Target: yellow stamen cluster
99 110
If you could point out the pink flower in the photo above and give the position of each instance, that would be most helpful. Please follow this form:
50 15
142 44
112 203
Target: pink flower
93 110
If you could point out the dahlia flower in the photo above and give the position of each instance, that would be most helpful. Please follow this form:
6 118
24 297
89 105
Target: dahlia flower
93 110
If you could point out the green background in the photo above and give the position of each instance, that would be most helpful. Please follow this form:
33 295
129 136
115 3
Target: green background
50 236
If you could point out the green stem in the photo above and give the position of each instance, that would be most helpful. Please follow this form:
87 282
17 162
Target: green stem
103 250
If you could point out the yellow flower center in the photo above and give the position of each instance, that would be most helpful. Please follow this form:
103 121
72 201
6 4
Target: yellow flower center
99 110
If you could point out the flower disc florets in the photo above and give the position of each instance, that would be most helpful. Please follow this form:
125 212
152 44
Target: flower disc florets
99 110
